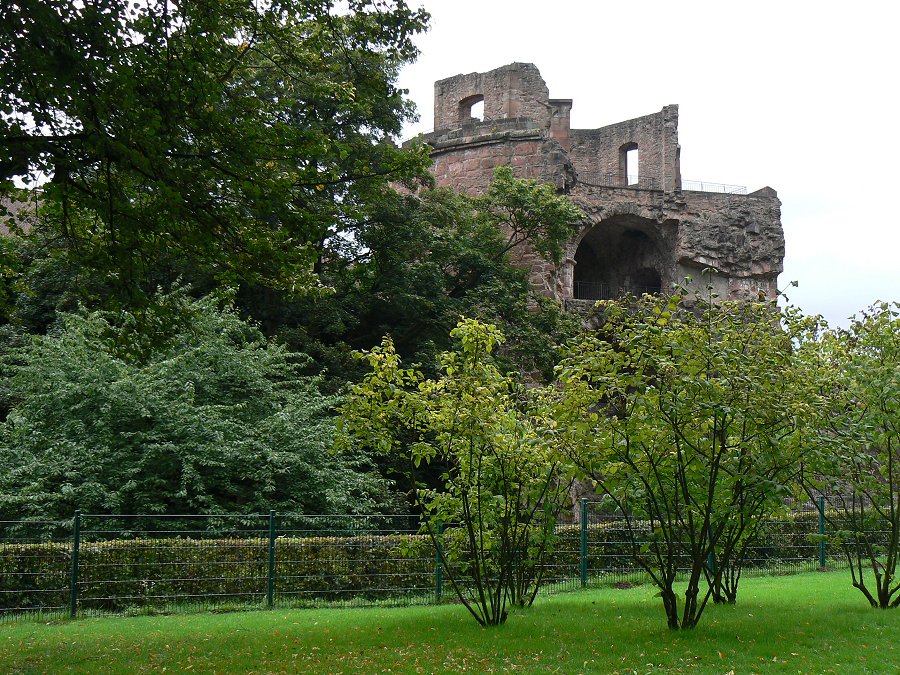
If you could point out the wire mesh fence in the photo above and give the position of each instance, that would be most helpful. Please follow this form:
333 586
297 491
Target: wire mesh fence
358 560
101 564
104 564
35 563
156 560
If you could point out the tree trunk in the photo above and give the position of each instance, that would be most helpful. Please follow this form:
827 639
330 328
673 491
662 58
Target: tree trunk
690 616
670 602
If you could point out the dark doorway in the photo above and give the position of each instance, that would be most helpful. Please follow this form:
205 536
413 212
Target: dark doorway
624 255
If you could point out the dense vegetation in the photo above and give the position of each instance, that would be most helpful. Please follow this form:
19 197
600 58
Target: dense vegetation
225 220
236 136
199 414
219 230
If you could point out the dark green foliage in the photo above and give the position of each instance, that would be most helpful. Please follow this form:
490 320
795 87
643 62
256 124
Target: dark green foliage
418 265
182 408
240 135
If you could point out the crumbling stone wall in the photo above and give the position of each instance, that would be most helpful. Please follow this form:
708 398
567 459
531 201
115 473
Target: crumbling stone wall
598 151
738 236
733 242
516 90
465 156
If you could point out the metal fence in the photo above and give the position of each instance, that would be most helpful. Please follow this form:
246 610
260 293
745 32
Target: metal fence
600 179
600 290
100 564
707 186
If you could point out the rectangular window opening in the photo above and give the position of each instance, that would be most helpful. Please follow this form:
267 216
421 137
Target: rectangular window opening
477 110
632 167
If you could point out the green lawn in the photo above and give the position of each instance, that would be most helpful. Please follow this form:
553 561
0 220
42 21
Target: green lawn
804 623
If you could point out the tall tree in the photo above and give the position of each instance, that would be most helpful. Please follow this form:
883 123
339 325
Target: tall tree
493 518
423 260
245 135
683 412
857 463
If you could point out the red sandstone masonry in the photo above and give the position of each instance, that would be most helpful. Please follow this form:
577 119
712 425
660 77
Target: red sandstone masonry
628 232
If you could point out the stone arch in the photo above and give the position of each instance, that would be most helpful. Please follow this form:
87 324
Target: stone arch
466 106
623 253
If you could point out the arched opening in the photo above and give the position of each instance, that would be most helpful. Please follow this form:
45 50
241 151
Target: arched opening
629 164
622 255
647 280
471 107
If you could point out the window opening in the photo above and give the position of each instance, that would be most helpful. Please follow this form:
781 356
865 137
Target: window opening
471 107
629 165
477 110
632 166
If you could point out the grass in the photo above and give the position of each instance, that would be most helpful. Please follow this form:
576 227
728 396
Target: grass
804 623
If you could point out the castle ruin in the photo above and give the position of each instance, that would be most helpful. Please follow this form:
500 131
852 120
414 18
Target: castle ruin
644 228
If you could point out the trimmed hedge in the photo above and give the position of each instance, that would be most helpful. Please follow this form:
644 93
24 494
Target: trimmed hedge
34 576
141 572
117 574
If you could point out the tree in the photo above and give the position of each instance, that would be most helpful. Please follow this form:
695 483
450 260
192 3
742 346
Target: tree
244 136
492 521
684 412
201 415
530 213
420 262
857 465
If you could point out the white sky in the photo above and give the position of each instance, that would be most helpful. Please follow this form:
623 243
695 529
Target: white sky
801 96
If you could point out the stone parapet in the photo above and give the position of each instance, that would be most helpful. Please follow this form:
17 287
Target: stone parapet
478 132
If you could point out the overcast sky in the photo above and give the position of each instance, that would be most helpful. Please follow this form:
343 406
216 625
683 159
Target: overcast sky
800 96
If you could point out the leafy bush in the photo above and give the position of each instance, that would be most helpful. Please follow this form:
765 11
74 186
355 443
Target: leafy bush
493 519
181 407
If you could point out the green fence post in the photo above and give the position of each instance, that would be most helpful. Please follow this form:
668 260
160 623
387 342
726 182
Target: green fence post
822 531
584 542
270 590
73 581
438 566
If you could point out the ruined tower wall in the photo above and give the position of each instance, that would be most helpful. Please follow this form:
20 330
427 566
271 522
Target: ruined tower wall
465 158
560 126
516 90
655 136
633 236
738 235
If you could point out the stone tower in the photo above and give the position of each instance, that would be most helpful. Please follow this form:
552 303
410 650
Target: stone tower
644 227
